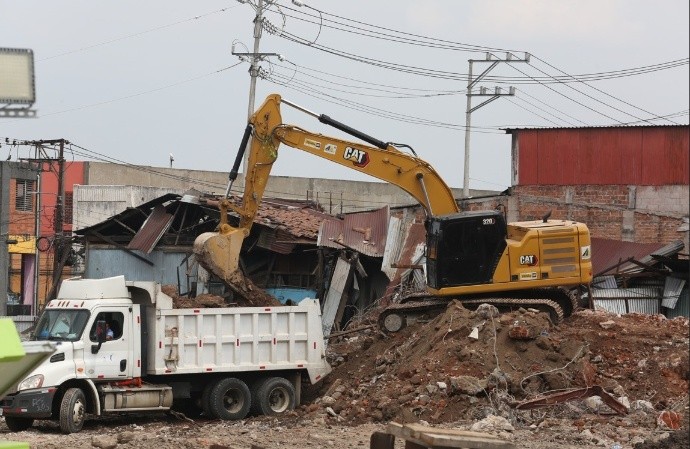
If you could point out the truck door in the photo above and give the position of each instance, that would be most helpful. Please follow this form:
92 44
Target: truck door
114 358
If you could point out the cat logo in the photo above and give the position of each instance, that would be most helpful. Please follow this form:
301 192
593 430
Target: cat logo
530 260
359 158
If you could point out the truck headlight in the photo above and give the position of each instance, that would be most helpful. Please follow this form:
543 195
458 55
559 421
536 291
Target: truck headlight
31 382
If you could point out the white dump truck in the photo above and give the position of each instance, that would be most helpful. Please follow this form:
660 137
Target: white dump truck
122 347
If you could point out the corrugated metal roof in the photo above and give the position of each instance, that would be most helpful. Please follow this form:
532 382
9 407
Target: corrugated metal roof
531 128
644 155
682 306
604 282
132 217
672 289
606 253
627 300
364 232
152 230
623 306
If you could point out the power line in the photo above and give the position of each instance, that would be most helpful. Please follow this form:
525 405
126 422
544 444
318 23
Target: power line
126 97
129 36
608 95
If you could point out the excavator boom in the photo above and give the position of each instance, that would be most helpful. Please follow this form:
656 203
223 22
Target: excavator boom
475 256
219 252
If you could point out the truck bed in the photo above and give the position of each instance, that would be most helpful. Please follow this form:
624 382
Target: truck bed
236 339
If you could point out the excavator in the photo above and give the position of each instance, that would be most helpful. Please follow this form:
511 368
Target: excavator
474 257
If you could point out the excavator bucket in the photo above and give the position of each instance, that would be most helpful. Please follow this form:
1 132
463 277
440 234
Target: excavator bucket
219 253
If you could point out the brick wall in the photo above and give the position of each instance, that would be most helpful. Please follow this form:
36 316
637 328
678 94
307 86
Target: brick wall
618 212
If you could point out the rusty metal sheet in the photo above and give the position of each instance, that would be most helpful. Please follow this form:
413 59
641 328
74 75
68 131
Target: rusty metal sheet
152 230
580 393
607 253
364 232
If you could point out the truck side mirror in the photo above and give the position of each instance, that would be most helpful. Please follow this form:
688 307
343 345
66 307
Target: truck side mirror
100 336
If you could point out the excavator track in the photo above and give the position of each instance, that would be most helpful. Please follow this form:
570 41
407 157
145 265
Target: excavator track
557 302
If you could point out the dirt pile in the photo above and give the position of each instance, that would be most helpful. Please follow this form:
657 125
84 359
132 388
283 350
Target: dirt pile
466 365
207 300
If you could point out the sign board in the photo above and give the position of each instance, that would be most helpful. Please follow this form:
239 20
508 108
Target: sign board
17 76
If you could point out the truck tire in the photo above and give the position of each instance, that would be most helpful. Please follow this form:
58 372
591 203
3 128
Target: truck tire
206 400
229 399
16 424
72 411
273 396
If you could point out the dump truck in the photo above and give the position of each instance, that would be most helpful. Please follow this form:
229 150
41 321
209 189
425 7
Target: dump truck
472 256
122 347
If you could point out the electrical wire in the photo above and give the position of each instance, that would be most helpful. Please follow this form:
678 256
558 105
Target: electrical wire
308 90
451 45
138 94
141 33
435 73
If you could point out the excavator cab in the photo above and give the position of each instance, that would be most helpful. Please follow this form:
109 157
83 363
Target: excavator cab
464 248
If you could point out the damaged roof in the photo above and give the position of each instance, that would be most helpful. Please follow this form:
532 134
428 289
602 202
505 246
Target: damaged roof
181 218
611 256
364 232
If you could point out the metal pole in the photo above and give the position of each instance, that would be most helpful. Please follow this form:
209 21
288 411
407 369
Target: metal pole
468 115
253 72
37 257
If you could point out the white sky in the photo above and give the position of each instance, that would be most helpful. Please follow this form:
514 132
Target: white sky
137 80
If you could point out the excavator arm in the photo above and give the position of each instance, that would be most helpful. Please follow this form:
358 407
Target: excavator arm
219 252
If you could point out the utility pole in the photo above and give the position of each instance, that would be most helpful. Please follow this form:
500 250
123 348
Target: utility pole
254 67
483 92
254 57
60 253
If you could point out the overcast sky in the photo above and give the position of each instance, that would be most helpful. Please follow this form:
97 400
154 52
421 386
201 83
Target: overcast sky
134 81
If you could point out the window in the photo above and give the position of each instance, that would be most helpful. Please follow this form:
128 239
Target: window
115 322
24 199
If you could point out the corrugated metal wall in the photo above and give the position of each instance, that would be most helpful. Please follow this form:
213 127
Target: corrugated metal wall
658 155
107 262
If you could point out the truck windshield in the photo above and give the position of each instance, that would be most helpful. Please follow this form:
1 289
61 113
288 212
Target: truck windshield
61 325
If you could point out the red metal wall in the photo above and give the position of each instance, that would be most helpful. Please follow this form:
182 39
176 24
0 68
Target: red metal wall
655 155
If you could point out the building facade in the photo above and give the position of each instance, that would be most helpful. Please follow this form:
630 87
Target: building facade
626 183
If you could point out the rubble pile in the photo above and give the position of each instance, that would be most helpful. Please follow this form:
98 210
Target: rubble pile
468 366
254 298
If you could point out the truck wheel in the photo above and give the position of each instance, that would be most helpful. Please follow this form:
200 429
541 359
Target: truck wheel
206 400
72 411
273 396
18 424
229 399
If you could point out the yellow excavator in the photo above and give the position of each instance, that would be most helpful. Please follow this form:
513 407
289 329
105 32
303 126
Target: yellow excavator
475 257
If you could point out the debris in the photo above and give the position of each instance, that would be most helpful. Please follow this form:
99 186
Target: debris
424 436
581 393
668 420
607 324
492 423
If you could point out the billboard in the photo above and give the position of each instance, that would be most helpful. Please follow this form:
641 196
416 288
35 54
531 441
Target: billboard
17 76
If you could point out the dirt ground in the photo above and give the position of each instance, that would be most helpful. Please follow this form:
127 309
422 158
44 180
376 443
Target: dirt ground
444 373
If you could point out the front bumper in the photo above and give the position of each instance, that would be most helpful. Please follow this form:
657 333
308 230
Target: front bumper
36 403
